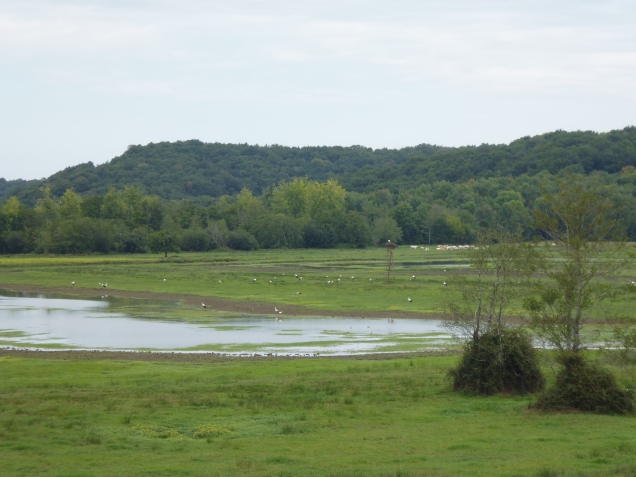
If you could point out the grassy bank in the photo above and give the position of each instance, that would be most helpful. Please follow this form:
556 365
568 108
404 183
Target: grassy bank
332 417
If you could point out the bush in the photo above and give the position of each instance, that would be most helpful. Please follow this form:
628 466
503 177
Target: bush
585 387
195 240
315 236
498 362
241 240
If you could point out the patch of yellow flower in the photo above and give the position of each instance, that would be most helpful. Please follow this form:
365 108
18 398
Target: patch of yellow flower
210 430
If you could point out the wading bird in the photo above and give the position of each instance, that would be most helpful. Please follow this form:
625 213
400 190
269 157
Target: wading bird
164 280
409 299
445 284
73 283
203 305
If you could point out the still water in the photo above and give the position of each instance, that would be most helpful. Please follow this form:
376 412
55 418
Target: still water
34 320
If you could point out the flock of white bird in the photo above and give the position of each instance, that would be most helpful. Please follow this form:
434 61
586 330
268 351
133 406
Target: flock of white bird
279 312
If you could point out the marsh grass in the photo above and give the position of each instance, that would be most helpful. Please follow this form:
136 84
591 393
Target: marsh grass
199 274
303 417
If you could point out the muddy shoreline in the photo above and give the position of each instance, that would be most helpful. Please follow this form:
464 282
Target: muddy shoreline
195 358
221 304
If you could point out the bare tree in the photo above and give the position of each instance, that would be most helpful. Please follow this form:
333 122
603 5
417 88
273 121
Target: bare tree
500 262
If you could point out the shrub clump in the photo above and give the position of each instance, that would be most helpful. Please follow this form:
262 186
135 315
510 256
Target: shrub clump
242 240
502 361
587 387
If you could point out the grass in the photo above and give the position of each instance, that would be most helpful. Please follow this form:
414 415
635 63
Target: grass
199 274
305 417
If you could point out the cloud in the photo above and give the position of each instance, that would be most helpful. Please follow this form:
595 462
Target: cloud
294 71
479 45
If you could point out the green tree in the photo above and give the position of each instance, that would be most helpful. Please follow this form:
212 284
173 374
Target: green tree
114 206
406 219
580 221
70 205
384 229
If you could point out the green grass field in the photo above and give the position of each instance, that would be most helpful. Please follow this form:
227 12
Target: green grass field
314 417
199 274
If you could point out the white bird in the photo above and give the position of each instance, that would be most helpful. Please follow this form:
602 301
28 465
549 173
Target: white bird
297 293
255 279
270 282
73 283
370 279
296 275
300 278
164 279
409 299
220 281
203 305
338 279
283 274
445 284
340 276
105 285
276 309
280 313
352 277
413 277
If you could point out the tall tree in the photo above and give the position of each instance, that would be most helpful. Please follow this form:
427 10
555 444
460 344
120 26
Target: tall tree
579 220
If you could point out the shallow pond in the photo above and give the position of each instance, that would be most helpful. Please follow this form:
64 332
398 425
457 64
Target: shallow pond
38 320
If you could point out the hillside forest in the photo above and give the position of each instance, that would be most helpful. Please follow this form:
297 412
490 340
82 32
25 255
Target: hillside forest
194 196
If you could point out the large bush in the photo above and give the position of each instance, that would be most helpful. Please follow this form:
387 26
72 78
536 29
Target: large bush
498 362
587 387
241 240
195 240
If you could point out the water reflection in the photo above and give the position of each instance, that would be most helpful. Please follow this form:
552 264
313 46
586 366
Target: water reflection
44 320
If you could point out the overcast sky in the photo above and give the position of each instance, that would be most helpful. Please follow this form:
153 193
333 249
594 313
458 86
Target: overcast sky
81 80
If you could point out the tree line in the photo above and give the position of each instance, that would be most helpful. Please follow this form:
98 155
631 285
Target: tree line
294 214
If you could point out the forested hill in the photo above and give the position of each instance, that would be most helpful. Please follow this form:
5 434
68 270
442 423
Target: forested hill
580 152
187 169
190 169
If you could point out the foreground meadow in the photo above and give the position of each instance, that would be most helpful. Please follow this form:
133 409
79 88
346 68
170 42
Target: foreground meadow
281 417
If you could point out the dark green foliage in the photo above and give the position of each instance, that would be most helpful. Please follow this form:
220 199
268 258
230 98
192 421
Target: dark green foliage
162 242
82 235
577 152
241 240
319 237
498 362
584 386
189 169
195 240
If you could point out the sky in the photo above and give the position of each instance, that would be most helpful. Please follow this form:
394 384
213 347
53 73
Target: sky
82 80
